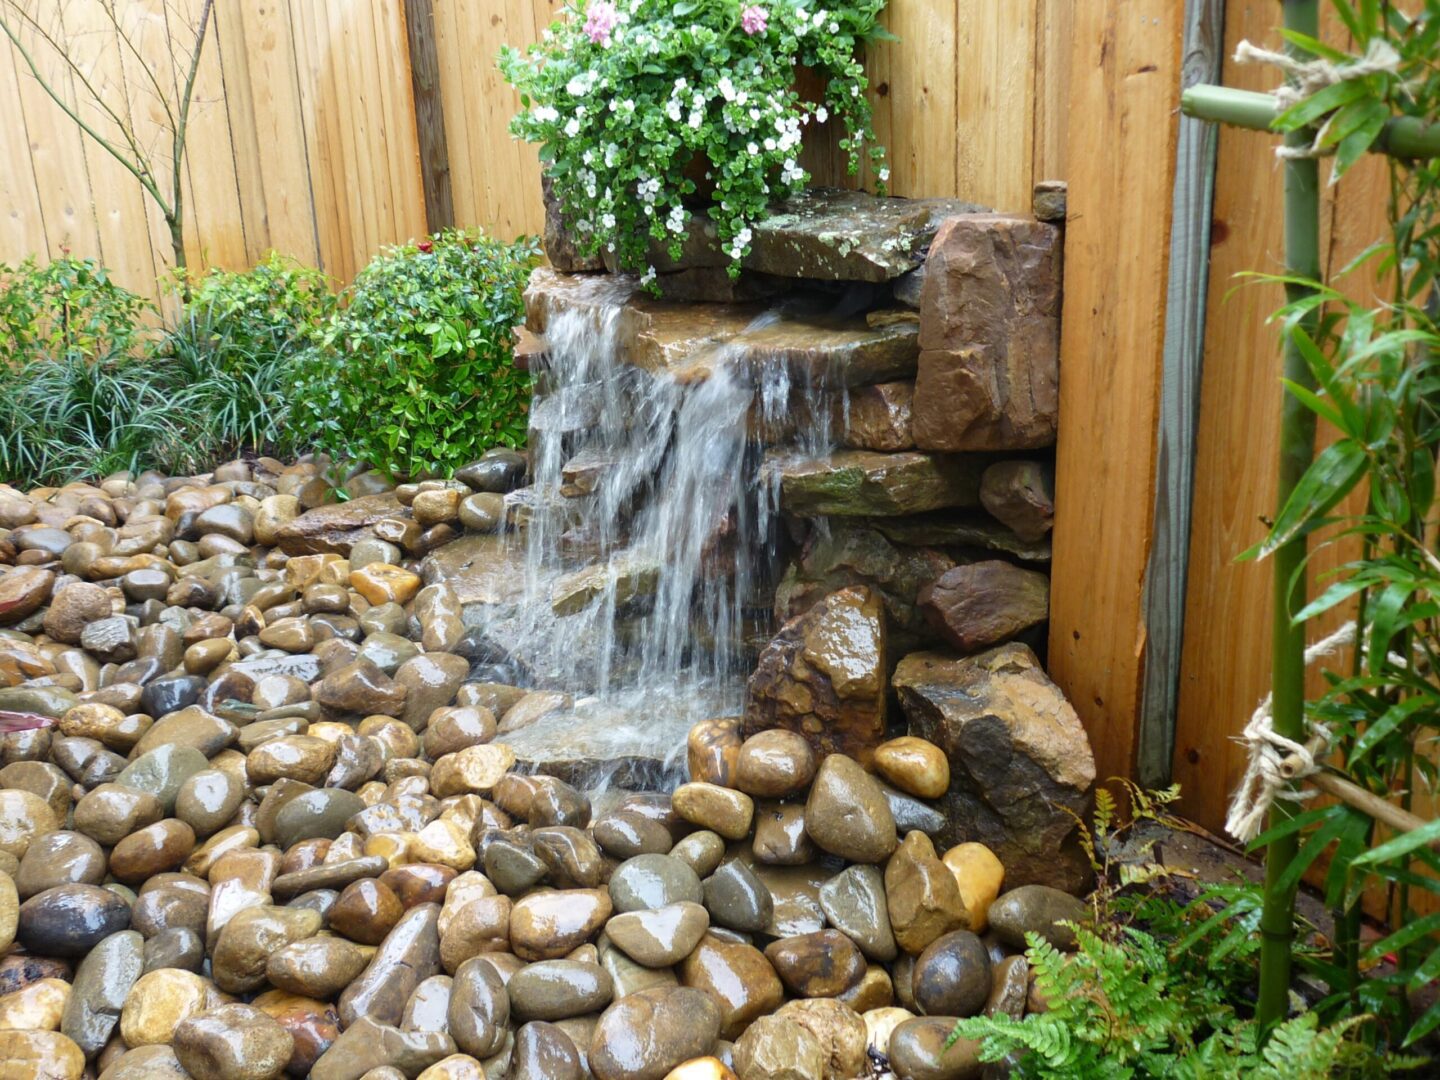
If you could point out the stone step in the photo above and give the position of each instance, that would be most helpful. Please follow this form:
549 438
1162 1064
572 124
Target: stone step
864 483
693 339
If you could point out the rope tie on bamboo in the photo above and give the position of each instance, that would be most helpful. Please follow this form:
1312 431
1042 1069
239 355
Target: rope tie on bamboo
1308 77
1275 762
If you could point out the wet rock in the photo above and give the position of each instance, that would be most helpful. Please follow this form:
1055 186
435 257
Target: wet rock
544 1052
319 813
777 1048
36 1007
952 975
982 604
152 850
314 1025
59 858
1037 909
365 912
839 1031
366 1045
233 1042
111 640
713 750
41 1055
361 687
160 772
479 1009
177 947
921 895
334 529
719 809
512 868
74 607
917 1051
625 835
864 483
426 1010
250 937
775 764
158 1002
645 1035
979 875
70 920
660 937
303 758
1000 707
23 591
430 682
824 676
1009 988
317 967
1021 495
780 838
738 977
653 881
854 903
846 813
989 336
738 899
558 989
877 417
23 817
823 964
409 954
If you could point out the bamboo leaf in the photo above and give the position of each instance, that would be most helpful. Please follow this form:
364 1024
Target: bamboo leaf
1314 844
1400 845
1319 104
1379 729
1329 479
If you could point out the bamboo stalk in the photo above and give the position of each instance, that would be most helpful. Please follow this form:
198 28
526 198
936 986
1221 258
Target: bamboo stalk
1367 802
1402 136
1297 450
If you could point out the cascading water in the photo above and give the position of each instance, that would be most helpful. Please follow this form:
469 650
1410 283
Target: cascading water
650 543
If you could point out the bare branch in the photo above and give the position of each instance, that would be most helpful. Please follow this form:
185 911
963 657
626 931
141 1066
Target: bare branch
145 65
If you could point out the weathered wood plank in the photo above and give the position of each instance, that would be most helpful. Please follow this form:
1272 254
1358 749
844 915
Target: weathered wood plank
429 114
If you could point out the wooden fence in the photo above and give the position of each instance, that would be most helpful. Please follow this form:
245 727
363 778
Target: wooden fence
323 126
305 137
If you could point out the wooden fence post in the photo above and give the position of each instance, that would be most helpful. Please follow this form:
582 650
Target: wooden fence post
429 114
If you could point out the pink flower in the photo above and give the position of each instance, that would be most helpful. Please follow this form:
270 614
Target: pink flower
753 20
601 18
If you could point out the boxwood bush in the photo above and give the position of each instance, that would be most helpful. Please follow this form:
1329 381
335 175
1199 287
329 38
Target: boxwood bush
415 372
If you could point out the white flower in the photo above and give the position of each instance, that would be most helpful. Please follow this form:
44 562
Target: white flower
672 110
754 114
546 114
820 17
607 221
752 149
885 174
695 119
572 127
834 28
647 277
769 144
577 87
822 114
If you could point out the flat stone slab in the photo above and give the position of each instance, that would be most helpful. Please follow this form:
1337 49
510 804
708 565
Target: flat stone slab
336 527
636 746
692 340
967 529
825 234
864 483
482 568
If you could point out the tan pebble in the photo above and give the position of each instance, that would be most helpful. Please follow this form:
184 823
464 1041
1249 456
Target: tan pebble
980 876
914 765
384 583
35 1007
721 810
157 1003
40 1055
707 1068
454 1067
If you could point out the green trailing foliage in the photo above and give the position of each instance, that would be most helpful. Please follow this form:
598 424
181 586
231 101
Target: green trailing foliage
66 308
415 374
1160 985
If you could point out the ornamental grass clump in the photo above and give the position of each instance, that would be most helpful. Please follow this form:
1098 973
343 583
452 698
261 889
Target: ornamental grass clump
644 108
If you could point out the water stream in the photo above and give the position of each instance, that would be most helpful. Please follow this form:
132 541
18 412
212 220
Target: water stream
652 543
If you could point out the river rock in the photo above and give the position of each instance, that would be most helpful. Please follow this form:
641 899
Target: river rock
479 1009
646 1034
777 1048
921 895
979 875
74 607
854 903
317 967
159 1001
233 1042
952 975
662 936
70 920
738 977
713 750
245 944
160 772
823 676
838 1029
917 1051
721 810
846 813
409 954
23 591
1037 909
367 1044
653 881
544 1052
37 1006
738 899
335 528
102 982
40 1055
365 911
559 989
999 707
823 964
59 858
23 817
775 764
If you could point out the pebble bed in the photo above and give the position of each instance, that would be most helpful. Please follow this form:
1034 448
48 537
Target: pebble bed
256 821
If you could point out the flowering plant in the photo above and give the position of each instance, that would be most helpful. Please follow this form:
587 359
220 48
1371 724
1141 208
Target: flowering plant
632 101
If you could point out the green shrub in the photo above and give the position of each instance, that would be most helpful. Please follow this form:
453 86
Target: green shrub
415 373
233 350
67 308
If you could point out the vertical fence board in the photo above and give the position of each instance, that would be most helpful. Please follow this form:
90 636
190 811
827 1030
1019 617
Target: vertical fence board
1125 83
995 105
22 222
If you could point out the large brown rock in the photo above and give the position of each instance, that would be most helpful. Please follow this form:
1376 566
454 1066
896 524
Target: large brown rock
1019 758
1021 494
877 417
560 247
985 603
823 676
335 528
989 336
846 554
